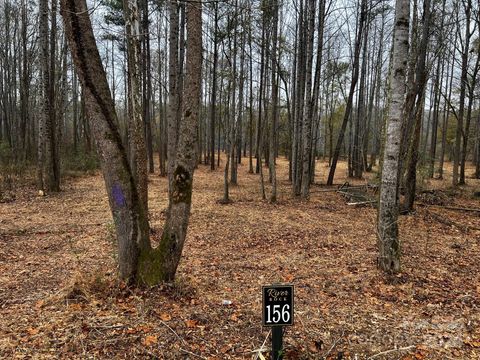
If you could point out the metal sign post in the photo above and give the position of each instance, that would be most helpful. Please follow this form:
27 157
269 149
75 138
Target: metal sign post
277 342
277 311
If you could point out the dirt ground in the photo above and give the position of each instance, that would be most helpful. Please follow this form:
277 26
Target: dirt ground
59 297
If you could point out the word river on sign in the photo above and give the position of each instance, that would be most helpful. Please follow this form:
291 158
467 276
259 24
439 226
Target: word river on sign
277 305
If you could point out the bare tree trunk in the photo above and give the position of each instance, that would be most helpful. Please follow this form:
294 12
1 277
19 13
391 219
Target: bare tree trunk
75 113
24 84
357 158
436 106
162 138
299 106
274 8
233 108
471 92
136 136
180 196
147 85
411 174
463 85
52 162
446 112
388 208
377 123
418 110
348 108
44 81
47 169
309 103
173 100
258 149
317 111
477 163
241 92
130 220
213 105
250 95
138 262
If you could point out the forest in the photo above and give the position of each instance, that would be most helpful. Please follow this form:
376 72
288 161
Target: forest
164 162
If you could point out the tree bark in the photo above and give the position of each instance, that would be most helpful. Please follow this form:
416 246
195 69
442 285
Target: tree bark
130 220
309 103
463 86
136 135
213 105
387 226
183 164
417 111
274 8
348 108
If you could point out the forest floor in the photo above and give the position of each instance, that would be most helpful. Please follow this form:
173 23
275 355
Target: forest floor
59 297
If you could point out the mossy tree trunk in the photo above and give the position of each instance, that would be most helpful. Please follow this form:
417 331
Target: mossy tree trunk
138 262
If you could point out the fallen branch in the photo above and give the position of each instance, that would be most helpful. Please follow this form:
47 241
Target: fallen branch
457 208
333 345
445 221
362 203
346 193
392 350
325 190
338 188
145 351
193 354
173 331
262 348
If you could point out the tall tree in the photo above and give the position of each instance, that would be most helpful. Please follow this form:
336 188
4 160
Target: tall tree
136 137
467 6
48 171
173 91
147 82
274 9
213 101
184 160
138 261
388 208
353 84
417 93
309 102
130 220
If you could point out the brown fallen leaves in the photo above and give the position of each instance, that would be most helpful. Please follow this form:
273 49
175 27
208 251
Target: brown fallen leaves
165 317
344 306
150 340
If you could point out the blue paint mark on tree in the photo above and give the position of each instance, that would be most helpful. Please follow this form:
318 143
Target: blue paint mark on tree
118 195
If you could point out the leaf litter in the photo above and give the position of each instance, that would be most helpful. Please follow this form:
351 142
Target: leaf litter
60 297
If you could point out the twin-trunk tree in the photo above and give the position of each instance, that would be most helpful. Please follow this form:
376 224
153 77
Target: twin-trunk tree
138 261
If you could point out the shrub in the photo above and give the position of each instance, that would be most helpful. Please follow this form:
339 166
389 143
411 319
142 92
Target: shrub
80 162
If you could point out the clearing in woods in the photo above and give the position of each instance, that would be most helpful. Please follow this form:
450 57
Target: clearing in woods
59 296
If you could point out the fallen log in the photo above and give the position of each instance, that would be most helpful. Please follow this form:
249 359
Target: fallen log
362 203
457 208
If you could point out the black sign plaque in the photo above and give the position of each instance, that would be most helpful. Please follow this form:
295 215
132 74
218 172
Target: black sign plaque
277 309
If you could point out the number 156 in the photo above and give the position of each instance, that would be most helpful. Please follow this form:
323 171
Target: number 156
274 315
